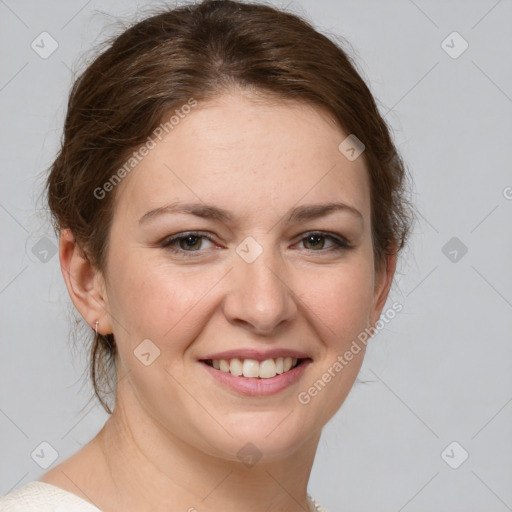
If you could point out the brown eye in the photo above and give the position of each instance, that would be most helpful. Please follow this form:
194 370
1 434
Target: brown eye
186 243
316 242
190 242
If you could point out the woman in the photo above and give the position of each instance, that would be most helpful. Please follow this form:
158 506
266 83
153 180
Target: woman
230 208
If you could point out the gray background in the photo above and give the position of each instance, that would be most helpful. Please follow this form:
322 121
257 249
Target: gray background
439 372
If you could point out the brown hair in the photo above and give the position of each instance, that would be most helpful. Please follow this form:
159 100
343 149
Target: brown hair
199 51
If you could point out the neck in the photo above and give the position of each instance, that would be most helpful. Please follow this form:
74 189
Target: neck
149 468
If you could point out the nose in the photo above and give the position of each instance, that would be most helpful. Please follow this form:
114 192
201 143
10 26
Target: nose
260 296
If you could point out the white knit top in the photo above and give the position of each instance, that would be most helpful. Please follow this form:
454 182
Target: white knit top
42 497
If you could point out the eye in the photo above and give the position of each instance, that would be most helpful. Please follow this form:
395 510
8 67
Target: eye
185 242
316 241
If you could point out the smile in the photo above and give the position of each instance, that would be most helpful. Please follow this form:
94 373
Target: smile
251 377
251 368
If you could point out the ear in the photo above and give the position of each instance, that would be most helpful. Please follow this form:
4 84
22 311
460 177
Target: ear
383 280
85 284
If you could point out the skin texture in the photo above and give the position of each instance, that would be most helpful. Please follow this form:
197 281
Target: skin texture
172 441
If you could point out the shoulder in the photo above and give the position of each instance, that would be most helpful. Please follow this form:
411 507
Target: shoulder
43 497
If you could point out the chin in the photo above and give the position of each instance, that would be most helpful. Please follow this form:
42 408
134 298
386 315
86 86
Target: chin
265 434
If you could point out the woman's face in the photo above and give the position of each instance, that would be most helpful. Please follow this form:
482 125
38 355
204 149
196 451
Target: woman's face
260 278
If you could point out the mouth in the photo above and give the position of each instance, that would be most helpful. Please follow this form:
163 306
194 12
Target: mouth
256 378
254 369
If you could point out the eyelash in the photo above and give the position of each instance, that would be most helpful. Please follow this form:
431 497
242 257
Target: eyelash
340 243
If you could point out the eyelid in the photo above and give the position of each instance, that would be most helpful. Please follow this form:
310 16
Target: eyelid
167 241
340 243
184 234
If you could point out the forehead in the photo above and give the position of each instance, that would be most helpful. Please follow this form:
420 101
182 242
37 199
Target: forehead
240 151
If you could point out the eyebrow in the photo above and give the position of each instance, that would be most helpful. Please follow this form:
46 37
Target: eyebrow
298 214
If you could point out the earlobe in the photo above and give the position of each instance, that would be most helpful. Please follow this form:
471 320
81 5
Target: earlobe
84 283
383 281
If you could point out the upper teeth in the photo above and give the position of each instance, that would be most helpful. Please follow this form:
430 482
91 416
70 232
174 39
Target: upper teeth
252 368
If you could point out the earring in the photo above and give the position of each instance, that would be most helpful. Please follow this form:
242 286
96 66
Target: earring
96 327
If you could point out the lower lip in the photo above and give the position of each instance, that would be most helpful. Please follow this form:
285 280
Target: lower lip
250 386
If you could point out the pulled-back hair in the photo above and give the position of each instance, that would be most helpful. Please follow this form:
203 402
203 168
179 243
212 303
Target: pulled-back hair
200 51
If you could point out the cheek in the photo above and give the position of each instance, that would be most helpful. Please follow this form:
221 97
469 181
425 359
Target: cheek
341 301
157 301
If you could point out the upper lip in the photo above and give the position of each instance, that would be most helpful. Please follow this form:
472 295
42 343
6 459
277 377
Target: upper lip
258 355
